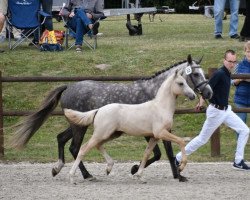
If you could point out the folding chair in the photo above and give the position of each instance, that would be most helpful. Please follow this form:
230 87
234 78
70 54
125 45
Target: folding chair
25 16
92 45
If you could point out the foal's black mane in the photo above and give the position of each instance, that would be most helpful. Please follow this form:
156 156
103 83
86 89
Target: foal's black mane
164 70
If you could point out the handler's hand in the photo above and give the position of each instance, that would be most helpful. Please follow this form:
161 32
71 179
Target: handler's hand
200 106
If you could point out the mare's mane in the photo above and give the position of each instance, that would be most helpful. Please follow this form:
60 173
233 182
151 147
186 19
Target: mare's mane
164 70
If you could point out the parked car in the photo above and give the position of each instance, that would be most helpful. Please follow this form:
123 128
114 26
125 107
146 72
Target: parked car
165 10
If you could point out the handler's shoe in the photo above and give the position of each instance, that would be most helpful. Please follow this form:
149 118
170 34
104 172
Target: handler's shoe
241 166
176 162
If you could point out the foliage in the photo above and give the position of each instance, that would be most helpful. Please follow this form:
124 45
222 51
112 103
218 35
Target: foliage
162 44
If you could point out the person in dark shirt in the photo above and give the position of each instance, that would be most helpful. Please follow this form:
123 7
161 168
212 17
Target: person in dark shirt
219 112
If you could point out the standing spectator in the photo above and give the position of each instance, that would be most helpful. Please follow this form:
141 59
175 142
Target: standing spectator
46 7
219 112
245 31
219 7
242 93
81 16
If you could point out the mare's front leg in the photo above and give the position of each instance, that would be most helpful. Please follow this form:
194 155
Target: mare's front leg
169 151
62 139
151 144
156 157
167 136
78 135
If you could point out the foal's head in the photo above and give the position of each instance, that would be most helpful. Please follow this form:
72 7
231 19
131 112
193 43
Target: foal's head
180 86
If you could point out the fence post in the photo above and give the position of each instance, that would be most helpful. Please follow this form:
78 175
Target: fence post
215 139
1 119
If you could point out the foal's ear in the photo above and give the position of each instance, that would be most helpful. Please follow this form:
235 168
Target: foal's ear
176 72
189 59
179 72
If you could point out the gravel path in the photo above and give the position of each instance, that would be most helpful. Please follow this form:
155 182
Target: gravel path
206 181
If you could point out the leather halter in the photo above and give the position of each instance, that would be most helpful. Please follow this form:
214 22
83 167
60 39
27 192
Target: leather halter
197 87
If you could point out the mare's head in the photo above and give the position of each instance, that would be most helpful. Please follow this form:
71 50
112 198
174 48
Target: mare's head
196 79
179 85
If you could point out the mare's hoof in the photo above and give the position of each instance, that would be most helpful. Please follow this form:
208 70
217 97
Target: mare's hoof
54 172
134 169
175 176
182 178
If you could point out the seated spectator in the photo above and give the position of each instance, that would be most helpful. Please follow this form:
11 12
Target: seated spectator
16 34
81 17
3 11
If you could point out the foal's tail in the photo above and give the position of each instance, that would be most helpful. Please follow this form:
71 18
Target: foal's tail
80 118
27 128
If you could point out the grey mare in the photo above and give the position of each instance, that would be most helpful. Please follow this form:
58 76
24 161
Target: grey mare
88 95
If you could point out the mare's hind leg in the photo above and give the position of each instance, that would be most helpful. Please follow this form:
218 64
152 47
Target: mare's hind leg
78 134
156 157
62 139
109 160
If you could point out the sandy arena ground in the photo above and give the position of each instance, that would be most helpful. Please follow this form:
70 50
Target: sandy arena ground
213 181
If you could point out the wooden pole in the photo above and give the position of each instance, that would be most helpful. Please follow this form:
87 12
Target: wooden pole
215 139
1 119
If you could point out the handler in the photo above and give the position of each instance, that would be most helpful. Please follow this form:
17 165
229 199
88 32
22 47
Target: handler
219 112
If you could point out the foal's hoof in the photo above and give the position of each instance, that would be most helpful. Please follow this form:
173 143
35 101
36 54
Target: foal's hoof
107 172
134 169
54 172
91 178
139 178
182 178
72 180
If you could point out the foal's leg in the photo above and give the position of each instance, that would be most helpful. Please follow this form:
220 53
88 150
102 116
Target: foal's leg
109 160
151 144
165 135
62 139
156 157
83 150
78 134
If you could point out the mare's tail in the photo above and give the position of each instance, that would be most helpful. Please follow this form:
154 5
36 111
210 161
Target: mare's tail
80 118
27 128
